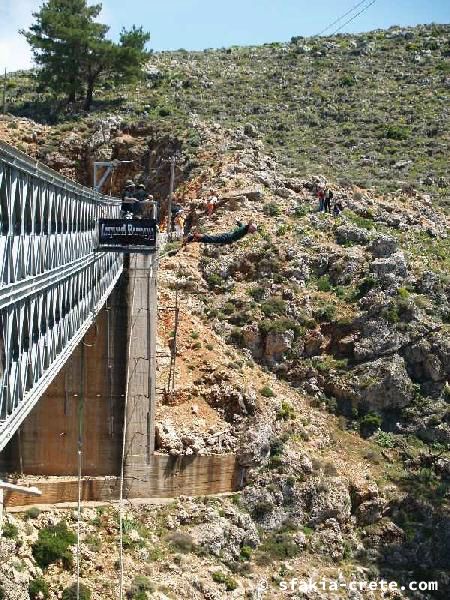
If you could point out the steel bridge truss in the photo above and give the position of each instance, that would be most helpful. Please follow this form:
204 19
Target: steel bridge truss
52 284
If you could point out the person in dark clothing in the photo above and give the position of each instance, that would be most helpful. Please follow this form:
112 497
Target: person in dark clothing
223 238
337 208
327 201
128 197
140 193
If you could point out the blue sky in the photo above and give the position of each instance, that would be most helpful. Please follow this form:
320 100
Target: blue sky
198 24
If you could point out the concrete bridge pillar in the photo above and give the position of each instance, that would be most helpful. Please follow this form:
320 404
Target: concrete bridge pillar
141 362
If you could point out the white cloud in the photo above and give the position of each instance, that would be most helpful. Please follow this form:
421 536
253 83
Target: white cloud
14 50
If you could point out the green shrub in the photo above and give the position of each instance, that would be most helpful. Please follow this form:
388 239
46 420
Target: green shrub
139 588
70 593
279 326
277 546
267 392
365 286
2 593
385 439
32 513
275 462
38 588
301 210
246 553
325 313
228 308
53 545
273 306
257 293
323 284
369 423
272 209
10 531
214 280
261 509
347 80
230 583
285 412
396 132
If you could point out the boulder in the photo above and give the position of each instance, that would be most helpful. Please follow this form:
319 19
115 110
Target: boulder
277 344
383 246
376 339
255 443
392 265
346 234
371 511
252 339
384 384
328 498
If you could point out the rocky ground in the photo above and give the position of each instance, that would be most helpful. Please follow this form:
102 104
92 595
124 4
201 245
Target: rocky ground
317 351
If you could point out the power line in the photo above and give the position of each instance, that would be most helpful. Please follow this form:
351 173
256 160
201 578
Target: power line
342 16
354 17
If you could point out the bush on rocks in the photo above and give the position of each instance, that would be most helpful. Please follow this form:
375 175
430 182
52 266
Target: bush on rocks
139 588
70 593
53 545
38 589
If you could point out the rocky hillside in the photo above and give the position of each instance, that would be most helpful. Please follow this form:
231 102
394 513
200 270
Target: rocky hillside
317 350
370 109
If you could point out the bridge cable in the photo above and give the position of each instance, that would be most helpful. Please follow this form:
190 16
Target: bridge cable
341 17
80 455
124 434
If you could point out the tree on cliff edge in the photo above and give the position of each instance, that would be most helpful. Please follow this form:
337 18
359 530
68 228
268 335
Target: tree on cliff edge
72 52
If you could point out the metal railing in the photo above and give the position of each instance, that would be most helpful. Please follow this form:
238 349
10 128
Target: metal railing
52 284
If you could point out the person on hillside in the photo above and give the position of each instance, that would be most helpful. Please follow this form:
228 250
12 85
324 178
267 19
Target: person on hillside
128 197
337 207
211 203
178 224
327 201
321 197
147 208
223 238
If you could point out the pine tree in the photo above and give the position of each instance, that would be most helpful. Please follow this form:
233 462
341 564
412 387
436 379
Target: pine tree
72 52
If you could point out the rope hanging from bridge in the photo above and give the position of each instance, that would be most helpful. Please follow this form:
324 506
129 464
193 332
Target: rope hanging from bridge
80 456
124 435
